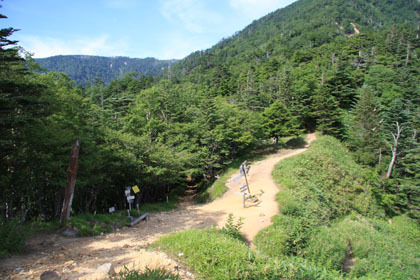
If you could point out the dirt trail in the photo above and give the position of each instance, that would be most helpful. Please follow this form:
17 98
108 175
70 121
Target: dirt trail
78 258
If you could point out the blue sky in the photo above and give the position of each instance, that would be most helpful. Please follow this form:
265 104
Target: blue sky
136 28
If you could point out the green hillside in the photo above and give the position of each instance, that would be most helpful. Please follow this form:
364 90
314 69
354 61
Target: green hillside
84 69
303 24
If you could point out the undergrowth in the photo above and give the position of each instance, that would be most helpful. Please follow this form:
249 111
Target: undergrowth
12 236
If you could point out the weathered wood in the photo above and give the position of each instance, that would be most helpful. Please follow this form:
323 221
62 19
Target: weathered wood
394 149
71 180
142 217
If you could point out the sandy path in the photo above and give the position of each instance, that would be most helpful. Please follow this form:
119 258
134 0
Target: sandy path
257 215
78 258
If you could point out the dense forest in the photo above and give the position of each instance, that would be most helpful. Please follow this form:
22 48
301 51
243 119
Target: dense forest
350 71
87 69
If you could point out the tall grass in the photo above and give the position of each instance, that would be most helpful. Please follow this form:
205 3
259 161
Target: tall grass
213 254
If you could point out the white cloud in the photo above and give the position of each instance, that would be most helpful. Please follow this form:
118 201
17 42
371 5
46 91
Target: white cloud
48 46
254 9
192 14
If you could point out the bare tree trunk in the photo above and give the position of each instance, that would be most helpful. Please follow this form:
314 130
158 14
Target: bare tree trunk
71 180
394 149
407 59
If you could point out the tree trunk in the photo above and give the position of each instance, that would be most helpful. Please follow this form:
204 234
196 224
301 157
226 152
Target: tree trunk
394 149
407 59
71 180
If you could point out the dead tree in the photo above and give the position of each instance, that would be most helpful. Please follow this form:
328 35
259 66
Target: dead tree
394 149
71 180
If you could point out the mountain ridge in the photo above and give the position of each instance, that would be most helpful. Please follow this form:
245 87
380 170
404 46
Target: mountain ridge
85 69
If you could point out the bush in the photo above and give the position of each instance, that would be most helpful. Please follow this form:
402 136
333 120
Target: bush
232 229
12 236
286 236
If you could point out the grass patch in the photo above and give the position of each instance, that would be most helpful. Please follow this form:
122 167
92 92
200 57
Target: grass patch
149 274
381 250
214 255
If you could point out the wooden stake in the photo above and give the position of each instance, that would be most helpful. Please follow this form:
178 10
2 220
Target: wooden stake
71 180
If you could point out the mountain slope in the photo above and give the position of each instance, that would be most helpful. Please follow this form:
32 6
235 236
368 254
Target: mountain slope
303 24
84 69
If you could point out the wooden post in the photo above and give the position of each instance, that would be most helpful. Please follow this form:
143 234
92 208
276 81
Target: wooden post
71 180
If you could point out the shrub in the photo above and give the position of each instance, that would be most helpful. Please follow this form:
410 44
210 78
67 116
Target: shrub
233 229
12 236
286 236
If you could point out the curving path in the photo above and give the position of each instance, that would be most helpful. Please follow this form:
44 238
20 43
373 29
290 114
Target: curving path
78 258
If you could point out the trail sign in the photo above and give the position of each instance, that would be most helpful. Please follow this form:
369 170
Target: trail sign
136 189
112 209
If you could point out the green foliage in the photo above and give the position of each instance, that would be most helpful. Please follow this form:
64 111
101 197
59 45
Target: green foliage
286 236
149 274
365 133
326 183
299 65
12 236
278 122
233 229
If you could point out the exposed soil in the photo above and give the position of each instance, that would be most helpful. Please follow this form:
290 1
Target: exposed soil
78 258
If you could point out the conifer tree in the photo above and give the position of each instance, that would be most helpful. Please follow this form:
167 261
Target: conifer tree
365 133
278 122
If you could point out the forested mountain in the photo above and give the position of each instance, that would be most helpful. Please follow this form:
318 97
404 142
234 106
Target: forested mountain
301 26
344 68
84 69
